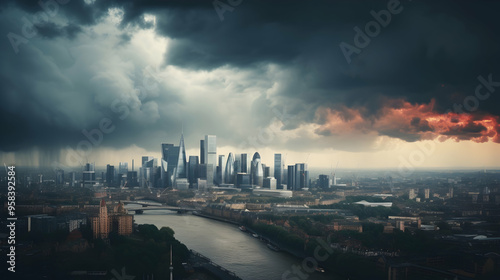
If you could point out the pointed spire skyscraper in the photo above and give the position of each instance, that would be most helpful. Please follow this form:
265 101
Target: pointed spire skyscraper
181 164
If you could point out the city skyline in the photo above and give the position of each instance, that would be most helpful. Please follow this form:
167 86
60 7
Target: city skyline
109 82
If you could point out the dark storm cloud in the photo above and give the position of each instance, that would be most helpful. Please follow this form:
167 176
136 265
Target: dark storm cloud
51 30
420 125
428 51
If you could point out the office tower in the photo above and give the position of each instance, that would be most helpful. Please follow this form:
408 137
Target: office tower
192 169
244 163
243 180
59 177
202 151
291 177
132 179
122 173
427 193
164 150
257 170
218 173
148 172
211 154
230 169
123 168
221 173
88 176
210 175
284 180
164 173
324 181
253 167
145 174
277 169
269 183
202 171
164 177
301 176
256 156
110 175
172 161
237 168
145 159
154 176
451 192
72 177
267 170
259 175
296 175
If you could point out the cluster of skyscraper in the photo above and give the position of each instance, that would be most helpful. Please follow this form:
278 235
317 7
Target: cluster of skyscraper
207 170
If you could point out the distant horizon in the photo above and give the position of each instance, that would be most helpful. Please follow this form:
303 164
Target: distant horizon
315 168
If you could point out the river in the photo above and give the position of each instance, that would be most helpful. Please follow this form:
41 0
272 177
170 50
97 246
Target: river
229 247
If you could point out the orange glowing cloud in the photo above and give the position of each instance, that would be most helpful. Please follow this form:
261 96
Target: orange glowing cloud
411 122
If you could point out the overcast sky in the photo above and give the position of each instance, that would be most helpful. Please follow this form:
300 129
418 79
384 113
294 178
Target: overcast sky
318 81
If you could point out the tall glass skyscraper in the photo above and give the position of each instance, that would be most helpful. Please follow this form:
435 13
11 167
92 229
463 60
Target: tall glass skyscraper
278 174
174 157
181 164
192 169
230 169
221 174
211 155
259 174
243 164
291 178
301 176
164 150
257 171
110 175
202 151
123 167
89 175
60 177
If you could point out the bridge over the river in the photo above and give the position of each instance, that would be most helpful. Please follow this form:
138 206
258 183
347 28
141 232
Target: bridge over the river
148 206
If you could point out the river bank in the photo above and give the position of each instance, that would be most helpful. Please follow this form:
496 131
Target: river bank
226 245
271 243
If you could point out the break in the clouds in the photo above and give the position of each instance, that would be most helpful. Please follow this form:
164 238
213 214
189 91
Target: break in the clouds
264 67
